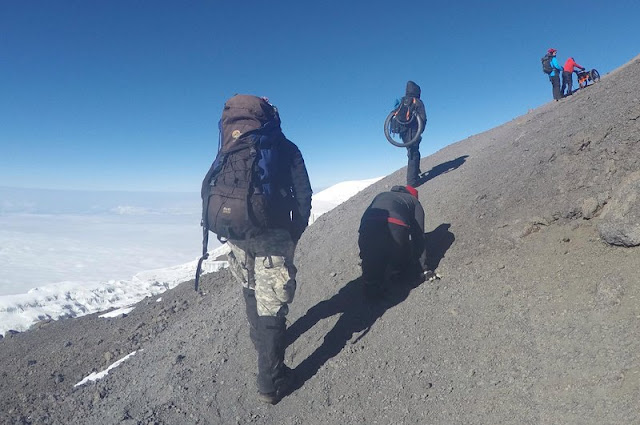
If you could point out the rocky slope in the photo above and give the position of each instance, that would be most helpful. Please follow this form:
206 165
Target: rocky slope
533 227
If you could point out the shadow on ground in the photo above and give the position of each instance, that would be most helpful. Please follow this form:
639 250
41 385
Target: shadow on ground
437 244
439 169
357 313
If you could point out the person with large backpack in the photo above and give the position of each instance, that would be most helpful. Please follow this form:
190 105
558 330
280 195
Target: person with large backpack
411 101
551 67
391 241
257 198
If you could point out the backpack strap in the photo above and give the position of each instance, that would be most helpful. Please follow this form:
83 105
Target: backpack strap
205 239
205 254
409 110
204 222
205 193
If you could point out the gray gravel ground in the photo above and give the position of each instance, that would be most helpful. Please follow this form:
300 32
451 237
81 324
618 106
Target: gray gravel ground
536 319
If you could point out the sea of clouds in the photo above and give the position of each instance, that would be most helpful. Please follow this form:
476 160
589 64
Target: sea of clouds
67 254
51 236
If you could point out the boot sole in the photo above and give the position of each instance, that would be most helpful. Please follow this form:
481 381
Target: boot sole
271 398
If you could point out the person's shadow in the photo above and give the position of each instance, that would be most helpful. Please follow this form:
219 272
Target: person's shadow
358 314
437 243
439 169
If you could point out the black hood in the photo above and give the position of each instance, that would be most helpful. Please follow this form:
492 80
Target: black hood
413 89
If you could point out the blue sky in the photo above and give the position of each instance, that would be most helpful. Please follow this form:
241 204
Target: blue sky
126 95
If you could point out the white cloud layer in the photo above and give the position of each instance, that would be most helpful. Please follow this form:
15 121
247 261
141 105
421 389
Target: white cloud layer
60 262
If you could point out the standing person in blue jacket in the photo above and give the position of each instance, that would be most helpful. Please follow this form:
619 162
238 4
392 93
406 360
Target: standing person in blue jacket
554 76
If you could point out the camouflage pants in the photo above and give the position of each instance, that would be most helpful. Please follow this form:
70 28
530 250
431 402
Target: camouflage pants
265 264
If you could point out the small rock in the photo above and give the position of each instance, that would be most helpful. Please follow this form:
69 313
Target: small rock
589 208
619 225
534 225
620 233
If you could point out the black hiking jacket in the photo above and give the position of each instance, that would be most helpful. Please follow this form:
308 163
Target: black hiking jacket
295 180
399 206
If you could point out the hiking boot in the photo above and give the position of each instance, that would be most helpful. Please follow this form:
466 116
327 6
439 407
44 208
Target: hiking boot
284 385
269 398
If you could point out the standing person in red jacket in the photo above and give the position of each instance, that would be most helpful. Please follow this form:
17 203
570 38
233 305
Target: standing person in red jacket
567 75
